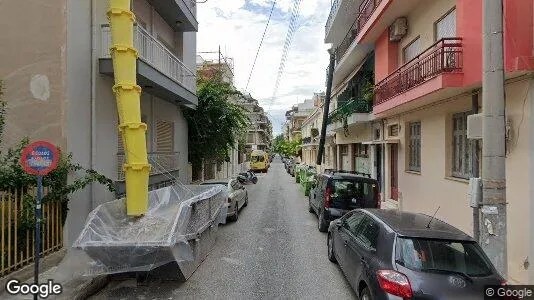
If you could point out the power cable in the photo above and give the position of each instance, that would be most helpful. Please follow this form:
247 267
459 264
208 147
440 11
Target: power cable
261 43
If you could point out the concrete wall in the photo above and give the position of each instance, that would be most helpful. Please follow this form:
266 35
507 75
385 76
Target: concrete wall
32 69
434 186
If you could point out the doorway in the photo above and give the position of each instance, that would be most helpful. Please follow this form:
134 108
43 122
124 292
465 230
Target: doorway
393 159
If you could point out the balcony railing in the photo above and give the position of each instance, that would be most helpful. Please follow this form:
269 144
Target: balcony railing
162 163
445 56
364 13
154 53
333 12
354 105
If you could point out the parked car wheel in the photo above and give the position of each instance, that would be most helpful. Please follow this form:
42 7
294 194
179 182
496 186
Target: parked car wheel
322 223
255 180
246 200
310 208
236 215
365 294
330 243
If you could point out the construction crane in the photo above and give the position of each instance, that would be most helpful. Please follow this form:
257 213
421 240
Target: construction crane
128 97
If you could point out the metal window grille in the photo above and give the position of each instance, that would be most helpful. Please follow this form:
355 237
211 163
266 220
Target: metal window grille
461 154
414 161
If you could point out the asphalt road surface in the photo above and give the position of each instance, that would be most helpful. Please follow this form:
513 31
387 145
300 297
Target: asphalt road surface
274 251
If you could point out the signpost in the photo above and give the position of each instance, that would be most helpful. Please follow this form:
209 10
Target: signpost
39 158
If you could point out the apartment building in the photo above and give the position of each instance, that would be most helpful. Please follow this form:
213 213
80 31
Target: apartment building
259 134
310 129
58 78
296 116
426 58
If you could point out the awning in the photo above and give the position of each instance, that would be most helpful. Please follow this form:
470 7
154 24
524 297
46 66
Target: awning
389 141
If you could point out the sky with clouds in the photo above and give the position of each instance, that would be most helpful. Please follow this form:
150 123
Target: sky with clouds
237 26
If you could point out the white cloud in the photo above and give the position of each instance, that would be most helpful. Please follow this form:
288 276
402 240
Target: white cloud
237 26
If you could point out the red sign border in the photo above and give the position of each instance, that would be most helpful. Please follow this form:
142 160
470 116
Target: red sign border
27 150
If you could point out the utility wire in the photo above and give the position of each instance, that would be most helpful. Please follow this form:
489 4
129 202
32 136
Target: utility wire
289 39
261 43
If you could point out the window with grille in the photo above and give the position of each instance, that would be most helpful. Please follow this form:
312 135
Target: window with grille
411 50
394 130
360 150
461 152
164 136
445 27
414 152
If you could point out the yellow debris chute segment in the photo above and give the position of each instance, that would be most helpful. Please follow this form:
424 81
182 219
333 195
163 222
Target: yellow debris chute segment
128 96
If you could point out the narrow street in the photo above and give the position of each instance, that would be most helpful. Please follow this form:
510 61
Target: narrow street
273 251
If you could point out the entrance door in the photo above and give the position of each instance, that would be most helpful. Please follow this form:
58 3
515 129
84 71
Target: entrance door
393 159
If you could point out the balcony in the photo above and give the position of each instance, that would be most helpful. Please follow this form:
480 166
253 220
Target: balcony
354 111
364 13
179 14
159 71
162 163
341 16
440 64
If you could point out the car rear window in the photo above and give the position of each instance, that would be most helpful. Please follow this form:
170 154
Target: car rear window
430 255
352 188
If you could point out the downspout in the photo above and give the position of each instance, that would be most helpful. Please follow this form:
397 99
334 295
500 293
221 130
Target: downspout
93 97
474 169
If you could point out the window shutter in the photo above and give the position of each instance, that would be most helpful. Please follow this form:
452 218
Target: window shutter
164 136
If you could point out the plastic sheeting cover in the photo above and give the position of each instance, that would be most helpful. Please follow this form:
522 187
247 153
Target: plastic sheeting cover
176 214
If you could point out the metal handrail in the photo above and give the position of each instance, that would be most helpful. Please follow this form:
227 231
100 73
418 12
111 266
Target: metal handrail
444 56
333 10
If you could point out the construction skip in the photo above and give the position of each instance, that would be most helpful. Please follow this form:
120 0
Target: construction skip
176 233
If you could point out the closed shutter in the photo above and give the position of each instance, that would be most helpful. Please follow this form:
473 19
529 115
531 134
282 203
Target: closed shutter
164 136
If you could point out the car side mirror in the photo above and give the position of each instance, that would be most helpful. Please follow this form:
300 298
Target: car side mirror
338 223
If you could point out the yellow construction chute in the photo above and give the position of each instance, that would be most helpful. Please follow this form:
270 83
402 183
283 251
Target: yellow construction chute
128 96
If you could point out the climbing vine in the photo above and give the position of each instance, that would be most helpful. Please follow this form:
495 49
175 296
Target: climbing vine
217 124
2 112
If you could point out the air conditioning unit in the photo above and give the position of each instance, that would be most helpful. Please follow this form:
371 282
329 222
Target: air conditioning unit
398 29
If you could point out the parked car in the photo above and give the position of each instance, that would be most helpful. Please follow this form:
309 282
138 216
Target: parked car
390 254
335 194
237 195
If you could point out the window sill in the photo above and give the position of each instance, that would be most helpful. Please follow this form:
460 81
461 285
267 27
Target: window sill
457 179
413 172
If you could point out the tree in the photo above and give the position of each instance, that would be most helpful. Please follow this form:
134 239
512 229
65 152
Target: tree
287 148
2 113
216 124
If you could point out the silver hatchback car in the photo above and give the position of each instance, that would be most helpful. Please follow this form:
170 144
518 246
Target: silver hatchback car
237 195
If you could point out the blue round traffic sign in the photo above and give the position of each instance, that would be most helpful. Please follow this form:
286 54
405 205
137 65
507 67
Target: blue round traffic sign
39 158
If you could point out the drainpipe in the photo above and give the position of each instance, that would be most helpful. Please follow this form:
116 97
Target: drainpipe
94 32
493 231
474 169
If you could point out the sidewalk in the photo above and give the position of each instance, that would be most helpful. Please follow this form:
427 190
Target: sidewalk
70 273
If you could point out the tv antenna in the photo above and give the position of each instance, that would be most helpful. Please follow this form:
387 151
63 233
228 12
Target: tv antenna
431 219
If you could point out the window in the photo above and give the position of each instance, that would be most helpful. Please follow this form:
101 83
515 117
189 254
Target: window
442 256
344 149
164 136
414 159
394 130
411 50
351 223
361 150
445 27
367 233
461 154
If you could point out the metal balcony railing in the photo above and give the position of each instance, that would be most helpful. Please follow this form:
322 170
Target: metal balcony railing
333 11
354 105
154 53
364 13
445 56
162 163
